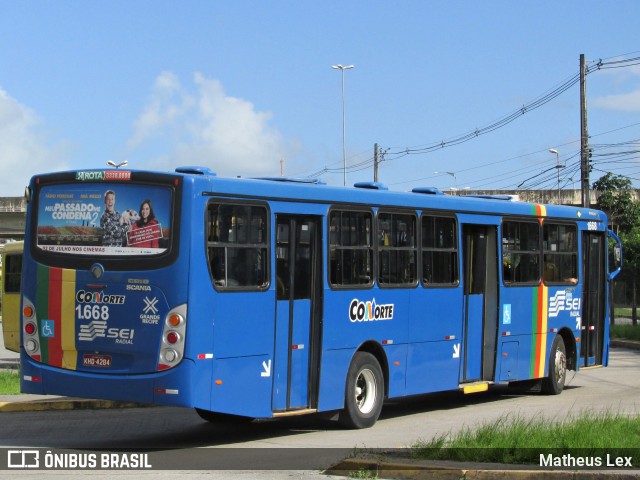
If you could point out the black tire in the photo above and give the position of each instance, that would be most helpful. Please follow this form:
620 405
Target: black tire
215 417
554 383
364 392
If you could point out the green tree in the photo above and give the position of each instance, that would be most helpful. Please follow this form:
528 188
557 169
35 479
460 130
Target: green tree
631 248
616 198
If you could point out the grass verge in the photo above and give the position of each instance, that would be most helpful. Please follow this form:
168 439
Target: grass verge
628 332
515 440
9 382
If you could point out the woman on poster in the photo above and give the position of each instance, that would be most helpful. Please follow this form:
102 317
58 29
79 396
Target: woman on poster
148 222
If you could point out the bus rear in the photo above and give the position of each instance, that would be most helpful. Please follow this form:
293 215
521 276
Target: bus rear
104 300
10 280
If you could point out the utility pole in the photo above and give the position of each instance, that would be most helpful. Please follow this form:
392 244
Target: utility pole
375 162
584 136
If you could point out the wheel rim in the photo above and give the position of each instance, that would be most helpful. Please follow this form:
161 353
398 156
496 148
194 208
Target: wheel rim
365 391
560 366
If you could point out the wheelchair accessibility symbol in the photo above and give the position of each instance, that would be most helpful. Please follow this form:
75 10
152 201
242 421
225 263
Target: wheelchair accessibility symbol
48 328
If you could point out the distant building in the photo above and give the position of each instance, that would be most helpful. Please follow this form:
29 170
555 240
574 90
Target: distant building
567 197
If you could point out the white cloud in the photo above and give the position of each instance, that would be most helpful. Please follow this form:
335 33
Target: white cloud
624 102
202 125
24 150
620 79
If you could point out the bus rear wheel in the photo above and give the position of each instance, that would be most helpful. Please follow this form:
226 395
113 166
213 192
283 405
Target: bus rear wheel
364 392
554 383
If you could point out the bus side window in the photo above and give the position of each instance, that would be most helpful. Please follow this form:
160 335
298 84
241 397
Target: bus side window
439 251
237 246
560 253
350 248
12 272
520 253
397 249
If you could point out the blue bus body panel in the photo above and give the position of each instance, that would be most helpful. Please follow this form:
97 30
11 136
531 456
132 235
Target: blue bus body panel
473 339
180 382
238 357
435 329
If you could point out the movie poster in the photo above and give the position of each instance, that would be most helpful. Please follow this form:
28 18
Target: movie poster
104 219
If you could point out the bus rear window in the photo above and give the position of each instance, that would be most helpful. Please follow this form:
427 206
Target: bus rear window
104 219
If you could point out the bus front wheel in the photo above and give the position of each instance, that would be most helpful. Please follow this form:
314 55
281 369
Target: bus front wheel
554 383
364 392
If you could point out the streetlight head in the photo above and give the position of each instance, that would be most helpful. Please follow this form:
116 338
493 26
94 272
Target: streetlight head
341 67
111 163
553 150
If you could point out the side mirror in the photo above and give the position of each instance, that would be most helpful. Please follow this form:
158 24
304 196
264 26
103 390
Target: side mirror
615 260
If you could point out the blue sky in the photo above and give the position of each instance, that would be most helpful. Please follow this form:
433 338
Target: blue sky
238 86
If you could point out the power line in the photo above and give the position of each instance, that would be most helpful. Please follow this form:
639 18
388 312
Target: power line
395 153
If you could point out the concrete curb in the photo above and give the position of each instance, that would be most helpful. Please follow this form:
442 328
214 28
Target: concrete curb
621 342
62 403
382 468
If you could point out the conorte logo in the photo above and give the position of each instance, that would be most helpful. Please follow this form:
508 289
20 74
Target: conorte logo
23 459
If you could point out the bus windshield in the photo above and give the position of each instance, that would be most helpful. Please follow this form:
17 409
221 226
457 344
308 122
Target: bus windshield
94 219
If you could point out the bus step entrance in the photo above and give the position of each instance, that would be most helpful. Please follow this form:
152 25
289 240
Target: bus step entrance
291 413
474 387
591 367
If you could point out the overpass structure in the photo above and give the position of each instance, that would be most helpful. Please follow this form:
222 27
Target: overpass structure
12 218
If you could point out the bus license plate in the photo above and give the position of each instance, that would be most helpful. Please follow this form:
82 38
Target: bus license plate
96 360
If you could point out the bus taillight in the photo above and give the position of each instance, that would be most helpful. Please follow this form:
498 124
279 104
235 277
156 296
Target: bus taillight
173 335
175 320
30 339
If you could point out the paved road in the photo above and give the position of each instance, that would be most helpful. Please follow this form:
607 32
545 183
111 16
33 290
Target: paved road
175 432
172 430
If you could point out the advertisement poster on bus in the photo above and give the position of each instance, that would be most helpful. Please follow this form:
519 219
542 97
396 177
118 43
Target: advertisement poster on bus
104 219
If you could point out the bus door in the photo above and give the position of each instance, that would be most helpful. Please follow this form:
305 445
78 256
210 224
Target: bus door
480 327
298 312
593 298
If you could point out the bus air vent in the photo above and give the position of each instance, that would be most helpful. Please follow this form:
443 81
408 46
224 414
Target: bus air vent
371 185
306 181
195 170
511 198
427 190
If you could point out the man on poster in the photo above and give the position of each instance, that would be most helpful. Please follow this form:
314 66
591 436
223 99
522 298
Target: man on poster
114 226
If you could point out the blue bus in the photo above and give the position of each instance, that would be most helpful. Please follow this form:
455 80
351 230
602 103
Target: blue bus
258 298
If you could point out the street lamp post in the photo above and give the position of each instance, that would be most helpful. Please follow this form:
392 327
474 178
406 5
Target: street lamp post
342 68
111 163
558 167
455 180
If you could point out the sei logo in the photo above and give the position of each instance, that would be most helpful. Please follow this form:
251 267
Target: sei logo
563 300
